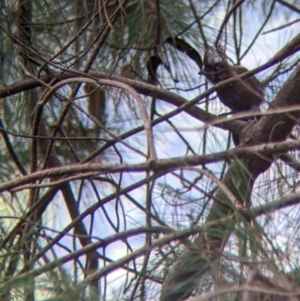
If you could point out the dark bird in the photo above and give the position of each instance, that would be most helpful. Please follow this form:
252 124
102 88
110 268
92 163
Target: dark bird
243 95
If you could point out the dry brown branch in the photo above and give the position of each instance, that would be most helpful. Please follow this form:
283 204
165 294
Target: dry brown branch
190 266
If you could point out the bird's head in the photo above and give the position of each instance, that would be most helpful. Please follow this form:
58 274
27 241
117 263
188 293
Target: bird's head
215 65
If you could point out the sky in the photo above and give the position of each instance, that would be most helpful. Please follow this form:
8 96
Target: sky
168 144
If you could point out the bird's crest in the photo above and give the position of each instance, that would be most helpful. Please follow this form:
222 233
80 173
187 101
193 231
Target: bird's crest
214 55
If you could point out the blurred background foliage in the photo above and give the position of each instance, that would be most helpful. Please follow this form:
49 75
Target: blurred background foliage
121 37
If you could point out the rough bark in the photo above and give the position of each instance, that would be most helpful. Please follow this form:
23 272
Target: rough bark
239 179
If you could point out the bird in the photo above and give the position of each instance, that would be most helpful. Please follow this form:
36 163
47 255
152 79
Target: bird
244 95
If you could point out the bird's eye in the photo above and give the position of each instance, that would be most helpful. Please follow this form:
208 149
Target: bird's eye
218 66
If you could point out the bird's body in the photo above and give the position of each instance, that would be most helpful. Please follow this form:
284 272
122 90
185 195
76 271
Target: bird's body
240 96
